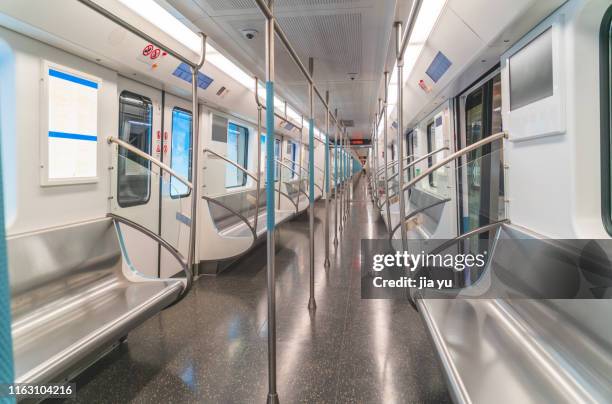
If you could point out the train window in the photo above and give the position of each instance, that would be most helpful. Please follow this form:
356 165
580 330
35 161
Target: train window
237 151
292 153
606 117
431 133
180 155
133 174
528 85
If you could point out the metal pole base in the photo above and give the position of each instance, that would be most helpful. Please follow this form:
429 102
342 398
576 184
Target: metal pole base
272 398
312 305
326 263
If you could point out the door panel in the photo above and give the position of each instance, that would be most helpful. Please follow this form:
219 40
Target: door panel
174 196
134 190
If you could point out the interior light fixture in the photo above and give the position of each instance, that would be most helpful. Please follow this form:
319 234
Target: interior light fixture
164 20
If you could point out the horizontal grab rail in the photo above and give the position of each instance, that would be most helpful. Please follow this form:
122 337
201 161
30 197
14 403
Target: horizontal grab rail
459 153
238 166
418 160
393 163
146 156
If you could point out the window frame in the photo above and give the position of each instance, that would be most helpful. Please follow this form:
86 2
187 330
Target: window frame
190 164
605 66
246 154
150 148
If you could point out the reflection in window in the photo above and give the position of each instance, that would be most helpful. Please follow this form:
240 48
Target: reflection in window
180 157
292 153
133 174
237 151
276 157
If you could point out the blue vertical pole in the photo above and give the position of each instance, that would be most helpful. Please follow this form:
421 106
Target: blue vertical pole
336 180
270 155
311 159
327 262
7 372
270 210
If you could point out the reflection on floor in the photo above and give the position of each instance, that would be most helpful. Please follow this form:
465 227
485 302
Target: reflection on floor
212 347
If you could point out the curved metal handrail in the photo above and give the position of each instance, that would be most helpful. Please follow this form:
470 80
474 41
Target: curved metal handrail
146 156
286 195
173 251
459 153
298 165
287 167
473 232
238 166
416 212
232 211
393 163
418 160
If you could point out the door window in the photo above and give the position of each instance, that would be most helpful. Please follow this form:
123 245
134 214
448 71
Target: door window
237 151
180 153
133 174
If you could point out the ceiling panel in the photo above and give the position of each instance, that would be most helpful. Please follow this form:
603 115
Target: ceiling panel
343 36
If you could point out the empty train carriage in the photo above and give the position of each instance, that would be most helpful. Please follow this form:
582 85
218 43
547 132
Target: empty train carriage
306 201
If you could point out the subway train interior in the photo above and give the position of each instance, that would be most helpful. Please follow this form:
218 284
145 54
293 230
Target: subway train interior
306 201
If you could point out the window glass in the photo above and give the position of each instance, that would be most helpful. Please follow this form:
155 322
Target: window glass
133 174
180 157
276 156
237 151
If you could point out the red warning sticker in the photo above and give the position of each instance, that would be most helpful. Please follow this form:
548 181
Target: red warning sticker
147 50
157 149
155 53
165 148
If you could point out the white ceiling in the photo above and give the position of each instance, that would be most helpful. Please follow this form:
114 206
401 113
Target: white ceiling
343 36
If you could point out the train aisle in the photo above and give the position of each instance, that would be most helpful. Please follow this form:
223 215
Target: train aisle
212 347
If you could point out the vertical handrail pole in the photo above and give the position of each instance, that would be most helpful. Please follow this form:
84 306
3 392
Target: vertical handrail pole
326 263
301 162
386 161
347 185
336 182
376 168
400 130
341 158
312 305
270 239
257 197
195 153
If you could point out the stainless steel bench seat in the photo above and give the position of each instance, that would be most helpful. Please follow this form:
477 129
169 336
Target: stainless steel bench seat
71 300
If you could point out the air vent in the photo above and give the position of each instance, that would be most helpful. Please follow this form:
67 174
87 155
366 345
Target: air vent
227 5
347 123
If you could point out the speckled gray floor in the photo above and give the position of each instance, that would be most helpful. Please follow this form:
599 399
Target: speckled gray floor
212 347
